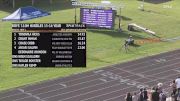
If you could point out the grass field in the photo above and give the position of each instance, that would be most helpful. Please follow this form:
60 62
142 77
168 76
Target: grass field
103 46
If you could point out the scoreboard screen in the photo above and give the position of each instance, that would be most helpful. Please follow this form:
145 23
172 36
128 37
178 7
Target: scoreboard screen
48 45
97 18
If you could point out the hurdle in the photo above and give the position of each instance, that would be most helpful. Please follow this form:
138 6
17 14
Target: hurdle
133 25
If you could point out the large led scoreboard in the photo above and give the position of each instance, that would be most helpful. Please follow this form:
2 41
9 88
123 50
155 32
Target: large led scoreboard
97 18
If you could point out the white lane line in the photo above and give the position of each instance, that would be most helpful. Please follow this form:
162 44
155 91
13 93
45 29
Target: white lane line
152 64
139 68
52 86
160 60
94 74
104 80
63 88
29 94
64 85
174 59
63 82
56 89
105 88
160 72
147 61
161 67
132 73
95 79
164 83
110 92
177 70
131 91
67 87
101 84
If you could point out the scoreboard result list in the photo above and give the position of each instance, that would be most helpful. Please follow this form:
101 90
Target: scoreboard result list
48 45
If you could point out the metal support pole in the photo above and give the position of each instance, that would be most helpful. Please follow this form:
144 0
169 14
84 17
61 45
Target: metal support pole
119 19
50 1
13 4
75 16
32 2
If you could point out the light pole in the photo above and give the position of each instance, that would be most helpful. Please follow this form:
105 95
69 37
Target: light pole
75 12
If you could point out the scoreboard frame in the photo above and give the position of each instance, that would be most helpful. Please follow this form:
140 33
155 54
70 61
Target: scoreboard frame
97 27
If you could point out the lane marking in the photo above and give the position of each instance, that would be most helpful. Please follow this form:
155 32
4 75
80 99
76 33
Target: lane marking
160 60
110 92
106 93
176 70
165 83
29 94
64 85
104 80
127 76
168 55
96 85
